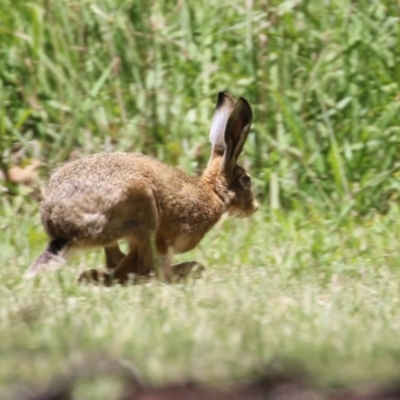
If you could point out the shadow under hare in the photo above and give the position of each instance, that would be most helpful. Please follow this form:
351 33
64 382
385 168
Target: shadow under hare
159 210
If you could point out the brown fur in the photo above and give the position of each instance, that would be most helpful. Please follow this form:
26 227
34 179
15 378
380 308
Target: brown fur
100 199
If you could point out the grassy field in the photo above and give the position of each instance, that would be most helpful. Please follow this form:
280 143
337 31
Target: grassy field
298 287
312 278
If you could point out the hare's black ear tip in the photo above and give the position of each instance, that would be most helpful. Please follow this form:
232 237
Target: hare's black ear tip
222 96
246 104
244 101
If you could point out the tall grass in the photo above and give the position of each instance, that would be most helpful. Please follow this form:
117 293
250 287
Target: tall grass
323 78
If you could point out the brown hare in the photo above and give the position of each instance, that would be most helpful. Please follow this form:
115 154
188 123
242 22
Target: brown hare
159 210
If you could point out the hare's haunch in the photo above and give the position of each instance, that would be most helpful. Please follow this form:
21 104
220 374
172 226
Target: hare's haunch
101 199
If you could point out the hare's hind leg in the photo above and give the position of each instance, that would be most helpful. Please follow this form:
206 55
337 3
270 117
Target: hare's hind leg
56 254
139 232
141 255
114 256
138 262
133 265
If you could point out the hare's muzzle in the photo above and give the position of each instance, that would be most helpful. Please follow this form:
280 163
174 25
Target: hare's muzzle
255 206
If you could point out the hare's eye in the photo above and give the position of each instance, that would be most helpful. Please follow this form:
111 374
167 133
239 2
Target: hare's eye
246 180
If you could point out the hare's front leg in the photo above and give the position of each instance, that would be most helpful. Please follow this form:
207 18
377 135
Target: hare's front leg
183 270
178 272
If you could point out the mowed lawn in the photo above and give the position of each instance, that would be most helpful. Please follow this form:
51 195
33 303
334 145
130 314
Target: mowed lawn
293 287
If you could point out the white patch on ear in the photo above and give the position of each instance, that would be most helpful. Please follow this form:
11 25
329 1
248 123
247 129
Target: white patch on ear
218 127
225 104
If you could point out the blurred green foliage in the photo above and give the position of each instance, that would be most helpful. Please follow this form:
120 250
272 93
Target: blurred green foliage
323 77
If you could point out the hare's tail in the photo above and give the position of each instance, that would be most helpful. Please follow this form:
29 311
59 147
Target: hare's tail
52 258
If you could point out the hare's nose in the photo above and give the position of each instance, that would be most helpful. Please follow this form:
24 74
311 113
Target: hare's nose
256 206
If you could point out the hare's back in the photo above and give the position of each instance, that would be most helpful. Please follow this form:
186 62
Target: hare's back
104 172
103 176
103 166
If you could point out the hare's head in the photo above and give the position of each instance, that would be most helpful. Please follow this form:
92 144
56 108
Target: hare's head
229 130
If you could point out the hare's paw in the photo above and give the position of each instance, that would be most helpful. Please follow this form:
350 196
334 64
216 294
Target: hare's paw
97 277
190 269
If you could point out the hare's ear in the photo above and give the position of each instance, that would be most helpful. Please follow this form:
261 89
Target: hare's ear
223 109
236 131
